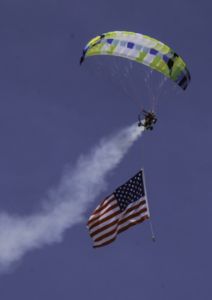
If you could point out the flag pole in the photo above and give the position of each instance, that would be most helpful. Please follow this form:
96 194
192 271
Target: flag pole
153 237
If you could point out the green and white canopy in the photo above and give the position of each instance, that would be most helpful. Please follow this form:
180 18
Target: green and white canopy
142 49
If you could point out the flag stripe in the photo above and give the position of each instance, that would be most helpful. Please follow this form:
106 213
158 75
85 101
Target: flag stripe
104 205
104 243
134 206
101 208
131 209
107 229
113 216
120 222
107 218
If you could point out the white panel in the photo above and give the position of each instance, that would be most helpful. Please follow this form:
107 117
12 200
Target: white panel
148 59
133 53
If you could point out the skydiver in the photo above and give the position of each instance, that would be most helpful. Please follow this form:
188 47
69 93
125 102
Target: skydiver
149 119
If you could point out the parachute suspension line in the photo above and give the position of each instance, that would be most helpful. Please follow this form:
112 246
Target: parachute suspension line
119 85
148 87
117 67
145 75
149 90
157 84
151 84
158 92
161 86
131 96
151 81
166 96
122 89
132 87
179 91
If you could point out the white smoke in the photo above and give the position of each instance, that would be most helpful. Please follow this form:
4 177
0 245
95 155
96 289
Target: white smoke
65 205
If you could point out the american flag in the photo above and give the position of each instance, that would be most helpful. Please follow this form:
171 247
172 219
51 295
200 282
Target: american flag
126 207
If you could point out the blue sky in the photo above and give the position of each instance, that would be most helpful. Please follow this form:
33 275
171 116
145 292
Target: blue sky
53 113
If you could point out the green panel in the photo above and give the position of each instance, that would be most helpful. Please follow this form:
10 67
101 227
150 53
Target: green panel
176 71
141 56
155 62
111 49
93 41
179 63
165 70
158 46
90 53
96 50
161 64
177 68
164 50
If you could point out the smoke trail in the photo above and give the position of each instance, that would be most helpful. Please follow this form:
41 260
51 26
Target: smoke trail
65 205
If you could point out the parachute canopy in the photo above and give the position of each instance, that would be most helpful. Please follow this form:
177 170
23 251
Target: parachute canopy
142 49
